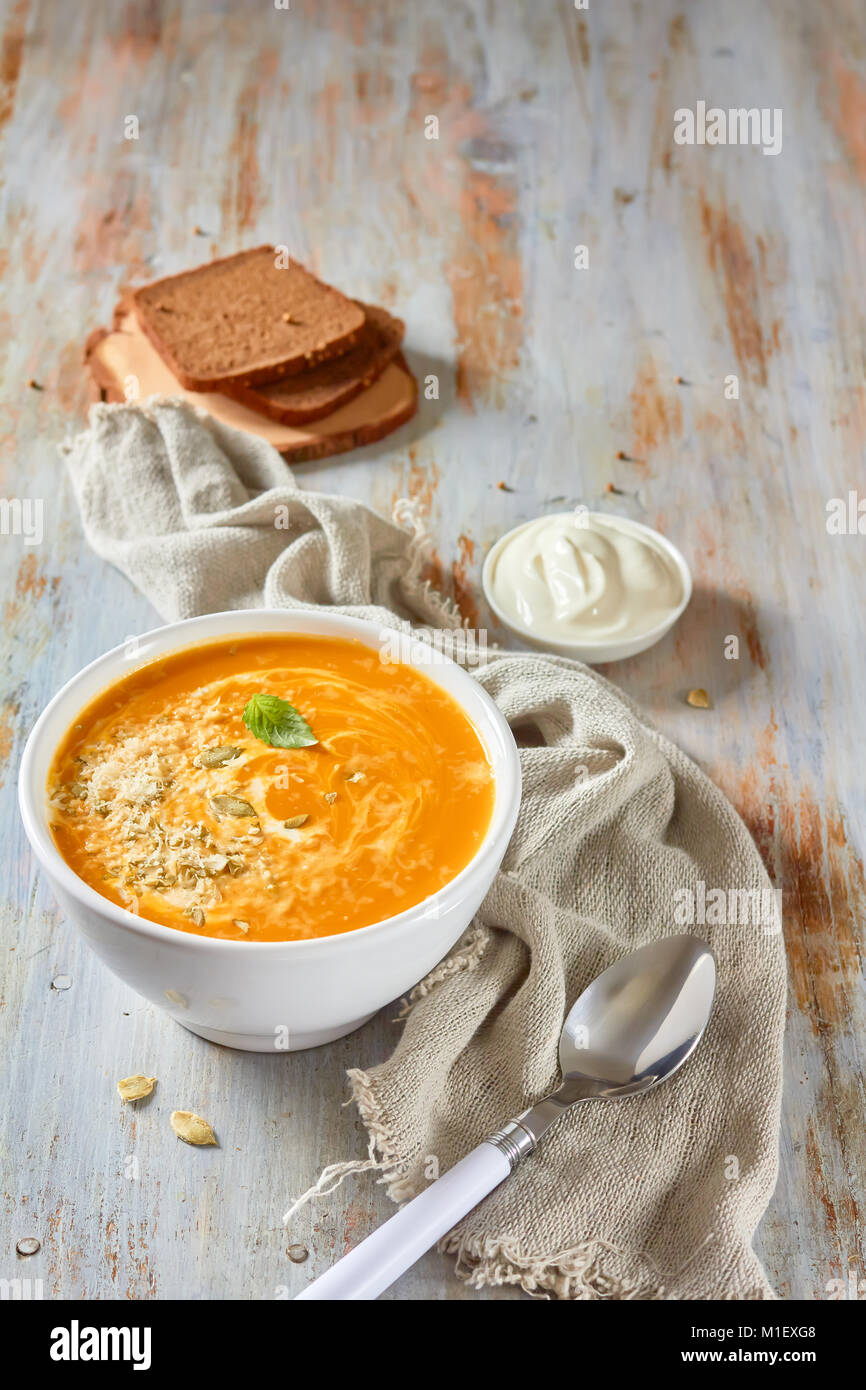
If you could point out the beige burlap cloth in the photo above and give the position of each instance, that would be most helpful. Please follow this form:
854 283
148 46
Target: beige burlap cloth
653 1197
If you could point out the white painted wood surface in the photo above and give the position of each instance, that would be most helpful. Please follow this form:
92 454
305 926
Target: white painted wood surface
306 127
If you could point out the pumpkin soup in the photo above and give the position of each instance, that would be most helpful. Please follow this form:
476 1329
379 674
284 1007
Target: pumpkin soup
270 788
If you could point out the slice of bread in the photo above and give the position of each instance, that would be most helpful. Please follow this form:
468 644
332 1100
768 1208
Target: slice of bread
123 364
298 400
244 319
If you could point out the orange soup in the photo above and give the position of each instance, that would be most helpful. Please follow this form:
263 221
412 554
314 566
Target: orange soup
173 795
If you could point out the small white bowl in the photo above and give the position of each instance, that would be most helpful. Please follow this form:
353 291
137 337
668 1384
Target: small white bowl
271 995
604 649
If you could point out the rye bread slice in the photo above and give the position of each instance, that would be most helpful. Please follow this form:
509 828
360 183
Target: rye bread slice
298 400
241 320
122 362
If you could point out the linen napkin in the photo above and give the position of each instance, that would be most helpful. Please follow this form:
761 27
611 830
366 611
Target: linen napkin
619 836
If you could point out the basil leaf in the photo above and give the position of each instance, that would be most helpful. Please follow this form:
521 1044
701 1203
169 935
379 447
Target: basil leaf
278 723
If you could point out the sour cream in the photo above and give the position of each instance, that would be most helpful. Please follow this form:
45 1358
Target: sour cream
581 578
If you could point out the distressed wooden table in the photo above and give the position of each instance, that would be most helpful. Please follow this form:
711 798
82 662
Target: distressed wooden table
559 378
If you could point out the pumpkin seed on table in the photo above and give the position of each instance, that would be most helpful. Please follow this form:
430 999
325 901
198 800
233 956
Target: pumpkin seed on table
192 1129
216 757
135 1087
231 806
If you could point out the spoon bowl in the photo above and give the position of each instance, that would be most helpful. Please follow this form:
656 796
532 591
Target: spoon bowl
639 1020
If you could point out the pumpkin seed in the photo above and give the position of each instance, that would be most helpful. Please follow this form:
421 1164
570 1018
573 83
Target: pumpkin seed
216 757
214 864
196 915
699 699
134 1087
231 806
330 797
192 1129
295 821
241 925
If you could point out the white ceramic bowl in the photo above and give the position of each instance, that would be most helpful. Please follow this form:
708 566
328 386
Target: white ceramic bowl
605 649
282 995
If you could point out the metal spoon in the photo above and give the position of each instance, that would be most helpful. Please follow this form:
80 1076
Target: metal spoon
630 1029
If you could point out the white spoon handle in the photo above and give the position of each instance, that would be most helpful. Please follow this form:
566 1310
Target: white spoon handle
386 1254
